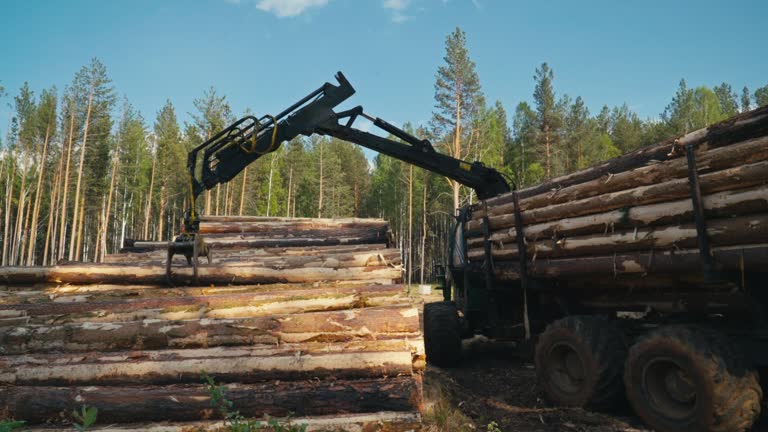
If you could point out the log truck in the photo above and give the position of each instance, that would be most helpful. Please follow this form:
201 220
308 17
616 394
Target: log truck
682 360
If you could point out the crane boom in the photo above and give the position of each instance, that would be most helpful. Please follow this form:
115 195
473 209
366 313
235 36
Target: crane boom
229 152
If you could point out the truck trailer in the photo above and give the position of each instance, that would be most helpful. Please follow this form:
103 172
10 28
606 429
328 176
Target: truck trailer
642 276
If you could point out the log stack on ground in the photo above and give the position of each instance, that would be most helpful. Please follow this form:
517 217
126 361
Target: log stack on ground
632 217
321 332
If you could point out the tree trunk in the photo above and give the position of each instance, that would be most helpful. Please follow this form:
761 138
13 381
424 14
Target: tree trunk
60 304
105 234
218 190
193 401
423 232
154 334
63 220
741 153
731 258
281 226
548 150
22 203
290 191
125 274
6 226
50 240
269 187
409 265
743 176
101 219
242 192
717 205
357 360
38 190
148 211
722 232
76 229
80 230
161 209
320 199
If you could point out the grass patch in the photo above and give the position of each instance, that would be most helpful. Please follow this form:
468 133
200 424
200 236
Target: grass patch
441 415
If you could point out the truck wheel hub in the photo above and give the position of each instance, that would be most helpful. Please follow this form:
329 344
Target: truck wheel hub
670 389
567 371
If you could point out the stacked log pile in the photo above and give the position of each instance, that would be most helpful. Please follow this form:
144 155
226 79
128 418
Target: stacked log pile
322 333
634 215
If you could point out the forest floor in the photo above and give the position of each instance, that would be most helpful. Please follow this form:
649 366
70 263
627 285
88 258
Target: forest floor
495 390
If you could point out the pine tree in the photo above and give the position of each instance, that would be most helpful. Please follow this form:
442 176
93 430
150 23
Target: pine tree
579 130
92 83
45 125
727 98
626 129
525 136
171 162
678 115
457 91
213 115
761 96
745 102
26 115
706 108
548 117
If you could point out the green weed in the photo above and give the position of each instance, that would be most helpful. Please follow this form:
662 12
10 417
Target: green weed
236 422
10 425
86 417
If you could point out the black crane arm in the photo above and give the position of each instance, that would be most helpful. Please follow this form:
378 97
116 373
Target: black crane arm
227 153
487 182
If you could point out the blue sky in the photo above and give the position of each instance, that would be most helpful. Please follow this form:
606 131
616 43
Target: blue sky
265 54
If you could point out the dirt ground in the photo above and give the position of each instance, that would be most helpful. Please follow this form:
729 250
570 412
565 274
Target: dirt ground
494 384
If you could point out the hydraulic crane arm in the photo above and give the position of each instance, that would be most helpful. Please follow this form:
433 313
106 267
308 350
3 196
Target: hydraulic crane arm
226 154
487 182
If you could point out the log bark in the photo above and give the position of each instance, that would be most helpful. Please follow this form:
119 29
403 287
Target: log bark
722 232
188 303
748 152
739 128
121 274
731 179
235 224
338 326
380 257
721 204
188 402
288 362
348 236
382 421
135 257
749 258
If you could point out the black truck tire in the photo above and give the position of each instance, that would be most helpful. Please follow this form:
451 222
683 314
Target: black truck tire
442 334
691 379
579 362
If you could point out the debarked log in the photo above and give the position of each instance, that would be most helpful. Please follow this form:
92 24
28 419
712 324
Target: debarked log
384 421
161 255
337 326
722 232
743 153
730 179
748 258
739 128
289 362
187 402
335 260
194 303
720 204
292 226
121 274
